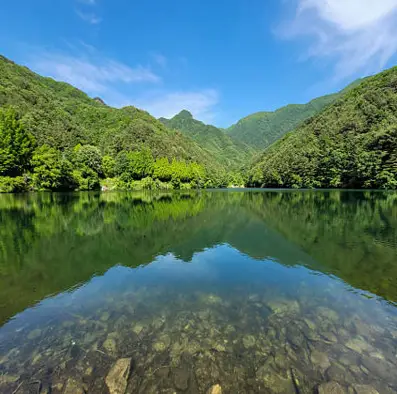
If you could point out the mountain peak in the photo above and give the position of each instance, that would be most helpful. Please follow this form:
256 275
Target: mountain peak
184 114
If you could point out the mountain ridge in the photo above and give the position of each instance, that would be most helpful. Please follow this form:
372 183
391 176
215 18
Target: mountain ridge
262 128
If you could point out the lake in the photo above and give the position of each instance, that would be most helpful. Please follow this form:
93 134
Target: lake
239 291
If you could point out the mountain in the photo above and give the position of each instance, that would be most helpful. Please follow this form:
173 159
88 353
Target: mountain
261 129
351 144
55 120
231 153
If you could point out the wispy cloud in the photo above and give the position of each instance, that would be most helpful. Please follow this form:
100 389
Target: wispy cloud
89 2
200 103
89 17
92 74
119 84
158 58
358 35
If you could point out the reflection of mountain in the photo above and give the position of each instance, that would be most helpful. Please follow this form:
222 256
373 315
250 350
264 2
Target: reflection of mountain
52 242
352 235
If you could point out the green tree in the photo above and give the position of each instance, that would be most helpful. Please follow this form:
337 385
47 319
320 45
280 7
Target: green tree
50 170
162 169
16 144
88 156
134 165
108 166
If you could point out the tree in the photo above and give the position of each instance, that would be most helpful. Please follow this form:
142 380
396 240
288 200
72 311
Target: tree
134 165
50 170
88 156
108 166
16 144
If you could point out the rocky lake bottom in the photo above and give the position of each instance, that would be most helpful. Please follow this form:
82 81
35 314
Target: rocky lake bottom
205 314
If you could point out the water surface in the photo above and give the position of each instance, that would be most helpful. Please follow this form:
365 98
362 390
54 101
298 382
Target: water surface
258 291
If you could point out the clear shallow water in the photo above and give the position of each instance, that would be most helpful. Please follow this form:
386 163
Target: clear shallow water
285 292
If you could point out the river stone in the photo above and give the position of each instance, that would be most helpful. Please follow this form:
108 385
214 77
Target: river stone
327 313
117 378
284 306
215 389
320 359
379 368
105 316
330 388
277 383
181 379
364 389
249 341
358 344
110 345
34 334
73 387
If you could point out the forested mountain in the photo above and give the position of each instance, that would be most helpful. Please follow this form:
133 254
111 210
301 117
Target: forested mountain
350 144
229 152
53 136
261 129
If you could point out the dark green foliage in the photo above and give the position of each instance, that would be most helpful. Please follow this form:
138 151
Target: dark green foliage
231 153
351 144
261 129
13 184
16 144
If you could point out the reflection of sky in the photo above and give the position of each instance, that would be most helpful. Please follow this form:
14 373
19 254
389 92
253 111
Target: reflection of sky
221 269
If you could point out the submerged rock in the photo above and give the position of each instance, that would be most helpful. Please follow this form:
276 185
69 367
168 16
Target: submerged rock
320 359
331 388
215 389
137 328
117 378
358 344
110 345
73 387
249 341
162 343
34 334
284 306
380 368
181 379
364 389
105 316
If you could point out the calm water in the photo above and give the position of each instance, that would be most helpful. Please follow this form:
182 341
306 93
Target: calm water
273 291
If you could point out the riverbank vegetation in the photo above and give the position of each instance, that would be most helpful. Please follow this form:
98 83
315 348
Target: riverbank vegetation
54 137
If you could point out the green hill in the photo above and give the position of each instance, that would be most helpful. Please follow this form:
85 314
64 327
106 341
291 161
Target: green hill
59 122
261 129
231 153
350 144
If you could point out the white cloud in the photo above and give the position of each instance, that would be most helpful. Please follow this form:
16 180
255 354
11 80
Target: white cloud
88 2
160 59
200 103
93 75
360 35
89 17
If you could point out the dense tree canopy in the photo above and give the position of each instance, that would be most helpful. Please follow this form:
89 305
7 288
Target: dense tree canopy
54 137
351 144
230 152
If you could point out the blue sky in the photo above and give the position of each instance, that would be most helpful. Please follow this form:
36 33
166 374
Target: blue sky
220 59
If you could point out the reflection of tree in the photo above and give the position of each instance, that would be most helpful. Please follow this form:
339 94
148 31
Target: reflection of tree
51 242
352 235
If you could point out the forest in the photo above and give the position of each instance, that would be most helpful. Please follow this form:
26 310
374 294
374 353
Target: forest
352 143
54 137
